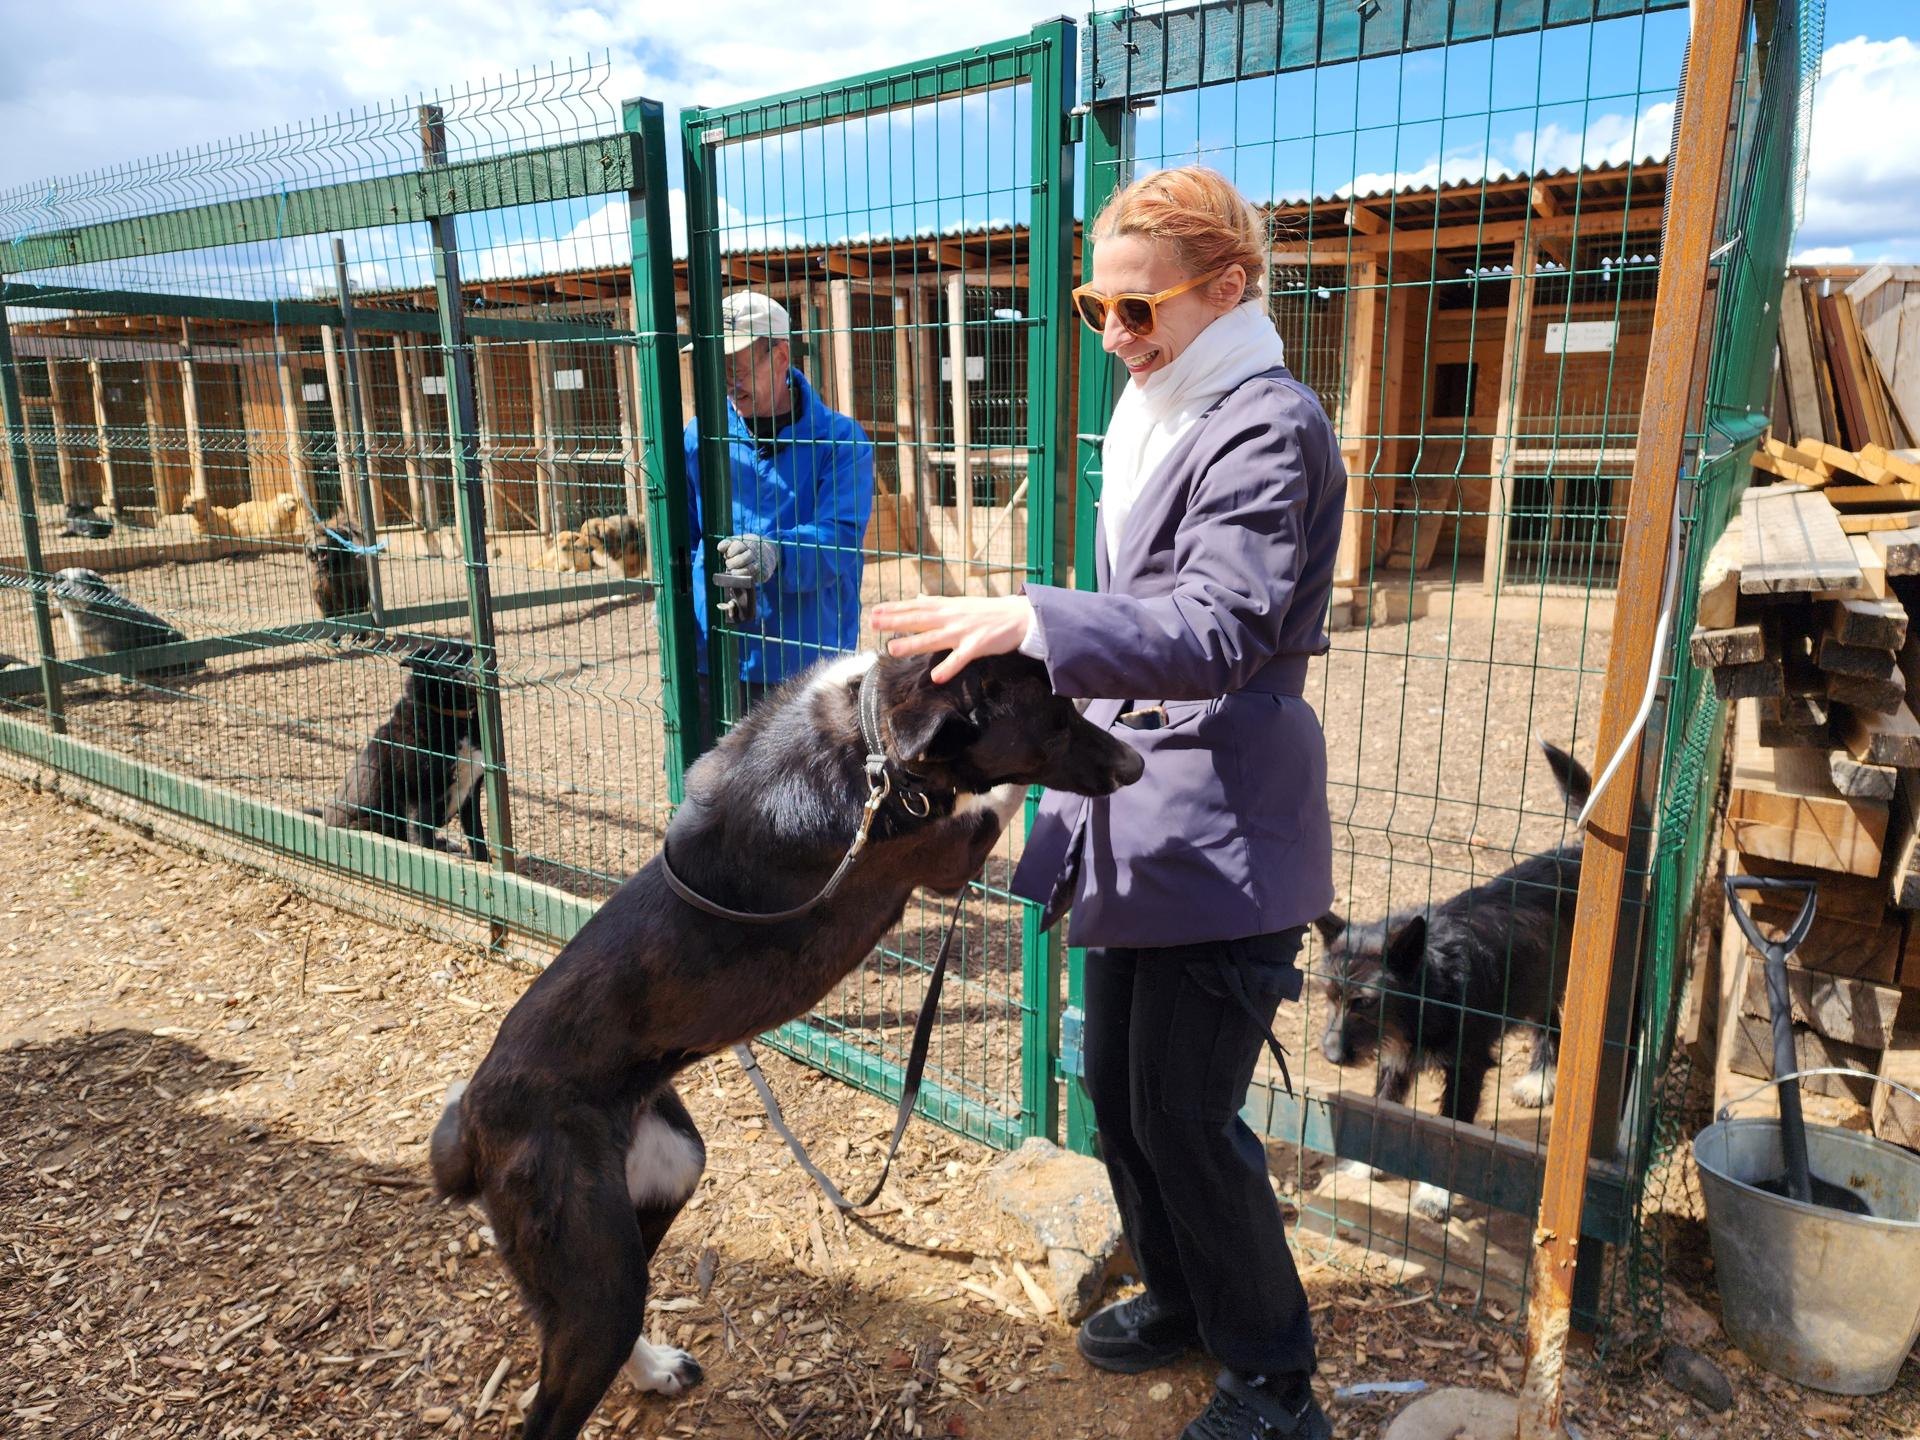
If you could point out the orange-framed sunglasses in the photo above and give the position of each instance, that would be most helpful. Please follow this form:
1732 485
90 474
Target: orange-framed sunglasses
1139 312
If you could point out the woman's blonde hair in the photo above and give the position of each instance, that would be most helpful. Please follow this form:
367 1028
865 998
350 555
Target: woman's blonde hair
1197 211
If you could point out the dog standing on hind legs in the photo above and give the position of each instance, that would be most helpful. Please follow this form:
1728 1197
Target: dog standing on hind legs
1437 989
818 816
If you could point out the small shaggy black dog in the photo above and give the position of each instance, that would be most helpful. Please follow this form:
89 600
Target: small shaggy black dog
422 766
336 572
1437 989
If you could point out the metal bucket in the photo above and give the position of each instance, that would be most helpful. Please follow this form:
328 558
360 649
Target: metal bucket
1824 1298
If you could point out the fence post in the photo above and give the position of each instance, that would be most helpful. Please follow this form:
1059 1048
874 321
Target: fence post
1049 272
1105 150
1692 207
361 458
663 453
14 413
700 148
469 501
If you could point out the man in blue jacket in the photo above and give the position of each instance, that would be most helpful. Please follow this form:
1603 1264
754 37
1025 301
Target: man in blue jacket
802 492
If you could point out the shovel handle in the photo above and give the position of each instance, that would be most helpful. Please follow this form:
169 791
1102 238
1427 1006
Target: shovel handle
1796 932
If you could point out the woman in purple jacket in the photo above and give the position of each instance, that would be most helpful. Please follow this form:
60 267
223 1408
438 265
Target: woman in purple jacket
1220 512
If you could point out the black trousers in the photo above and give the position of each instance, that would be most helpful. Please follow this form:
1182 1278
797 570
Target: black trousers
1169 1054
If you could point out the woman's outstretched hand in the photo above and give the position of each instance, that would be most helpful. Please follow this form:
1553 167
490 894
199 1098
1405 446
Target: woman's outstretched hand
968 625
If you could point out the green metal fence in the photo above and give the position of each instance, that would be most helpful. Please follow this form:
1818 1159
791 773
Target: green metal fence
915 224
425 342
451 334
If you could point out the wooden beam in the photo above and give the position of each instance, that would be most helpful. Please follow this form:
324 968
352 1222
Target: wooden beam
1679 305
839 262
422 493
62 446
376 487
1796 359
540 394
1364 221
962 416
291 408
190 399
952 256
1515 352
1359 537
633 440
840 321
109 491
906 415
1547 206
487 423
343 446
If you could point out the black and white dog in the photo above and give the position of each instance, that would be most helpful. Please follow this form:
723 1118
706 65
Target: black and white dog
423 765
1437 989
104 621
570 1132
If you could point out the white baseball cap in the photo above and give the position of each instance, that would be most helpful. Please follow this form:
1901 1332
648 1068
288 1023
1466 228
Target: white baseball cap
747 316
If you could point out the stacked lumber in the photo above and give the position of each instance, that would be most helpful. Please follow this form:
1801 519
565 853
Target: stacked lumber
1850 359
1809 620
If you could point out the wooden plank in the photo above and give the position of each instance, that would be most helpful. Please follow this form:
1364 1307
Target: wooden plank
1761 680
1858 780
1751 1054
1868 661
1792 544
1798 362
1850 410
1889 495
1903 873
1880 623
1867 375
962 412
1720 580
1807 475
1736 645
1896 1116
1828 402
1360 548
1867 524
1859 901
1853 1011
1836 945
1890 738
1783 806
1897 551
109 488
1881 695
1900 465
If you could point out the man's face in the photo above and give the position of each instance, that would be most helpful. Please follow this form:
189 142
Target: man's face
757 378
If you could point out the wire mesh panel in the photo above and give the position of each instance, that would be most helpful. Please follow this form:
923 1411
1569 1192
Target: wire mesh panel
910 226
341 455
1465 206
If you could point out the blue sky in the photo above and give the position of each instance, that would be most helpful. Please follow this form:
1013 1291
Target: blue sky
92 85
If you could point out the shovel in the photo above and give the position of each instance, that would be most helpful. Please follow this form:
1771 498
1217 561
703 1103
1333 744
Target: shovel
1799 1183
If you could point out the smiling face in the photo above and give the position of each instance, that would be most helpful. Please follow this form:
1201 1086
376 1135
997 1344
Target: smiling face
757 378
1138 263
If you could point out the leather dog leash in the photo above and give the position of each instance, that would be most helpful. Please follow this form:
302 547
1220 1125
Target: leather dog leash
879 786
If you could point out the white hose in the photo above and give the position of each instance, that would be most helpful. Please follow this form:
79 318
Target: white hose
1670 592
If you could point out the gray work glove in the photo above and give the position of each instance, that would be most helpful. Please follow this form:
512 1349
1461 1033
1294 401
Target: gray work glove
753 558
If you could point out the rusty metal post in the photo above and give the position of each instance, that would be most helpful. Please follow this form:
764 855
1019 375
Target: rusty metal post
1692 207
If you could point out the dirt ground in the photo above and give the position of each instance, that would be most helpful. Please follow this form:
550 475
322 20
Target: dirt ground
214 1220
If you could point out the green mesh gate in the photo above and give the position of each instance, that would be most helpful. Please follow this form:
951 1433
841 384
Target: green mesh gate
915 225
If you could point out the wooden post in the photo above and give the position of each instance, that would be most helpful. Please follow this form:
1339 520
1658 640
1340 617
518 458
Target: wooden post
362 360
633 438
190 402
342 432
1356 554
1391 457
489 434
292 404
906 415
109 493
962 417
840 312
62 445
540 386
421 489
1679 305
1516 348
157 468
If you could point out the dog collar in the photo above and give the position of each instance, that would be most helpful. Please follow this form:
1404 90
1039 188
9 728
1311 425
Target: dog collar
879 775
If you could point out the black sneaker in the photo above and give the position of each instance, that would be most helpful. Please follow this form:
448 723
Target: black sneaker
1257 1408
1130 1336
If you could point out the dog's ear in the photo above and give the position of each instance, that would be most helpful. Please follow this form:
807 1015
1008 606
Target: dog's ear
928 727
1406 950
1331 927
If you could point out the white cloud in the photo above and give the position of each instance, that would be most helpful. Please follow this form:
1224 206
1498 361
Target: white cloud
1824 255
1863 171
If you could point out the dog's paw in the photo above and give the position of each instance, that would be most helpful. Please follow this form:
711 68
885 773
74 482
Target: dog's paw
661 1369
1432 1202
1534 1090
